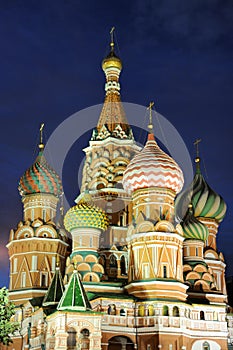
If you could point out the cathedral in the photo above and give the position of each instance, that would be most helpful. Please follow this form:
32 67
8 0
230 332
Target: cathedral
134 263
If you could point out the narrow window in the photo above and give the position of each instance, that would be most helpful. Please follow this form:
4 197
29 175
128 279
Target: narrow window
34 263
202 315
32 214
44 279
164 271
44 214
53 263
196 251
91 242
15 264
23 279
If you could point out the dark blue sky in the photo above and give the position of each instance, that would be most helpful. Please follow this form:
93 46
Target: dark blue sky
178 53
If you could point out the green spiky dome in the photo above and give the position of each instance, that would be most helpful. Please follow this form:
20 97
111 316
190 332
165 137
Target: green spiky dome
193 228
85 215
206 202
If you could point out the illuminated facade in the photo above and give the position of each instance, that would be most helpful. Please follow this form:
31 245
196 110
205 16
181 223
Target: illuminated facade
143 270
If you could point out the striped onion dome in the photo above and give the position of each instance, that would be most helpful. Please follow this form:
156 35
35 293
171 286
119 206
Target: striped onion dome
205 201
152 167
40 178
193 228
85 215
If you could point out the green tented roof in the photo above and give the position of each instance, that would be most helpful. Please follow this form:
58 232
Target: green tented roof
55 291
74 297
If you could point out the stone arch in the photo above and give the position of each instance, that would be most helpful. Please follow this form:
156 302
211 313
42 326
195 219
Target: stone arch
120 343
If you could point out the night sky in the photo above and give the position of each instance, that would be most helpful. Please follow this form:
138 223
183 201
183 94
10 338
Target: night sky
177 53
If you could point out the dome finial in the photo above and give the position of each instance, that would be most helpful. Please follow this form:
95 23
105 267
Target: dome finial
41 145
197 158
150 125
112 38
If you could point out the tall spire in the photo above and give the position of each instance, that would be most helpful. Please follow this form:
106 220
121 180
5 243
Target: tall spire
112 114
197 158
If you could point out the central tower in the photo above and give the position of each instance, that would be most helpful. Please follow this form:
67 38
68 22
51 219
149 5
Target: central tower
110 150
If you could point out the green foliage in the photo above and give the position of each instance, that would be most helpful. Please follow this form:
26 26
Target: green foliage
7 310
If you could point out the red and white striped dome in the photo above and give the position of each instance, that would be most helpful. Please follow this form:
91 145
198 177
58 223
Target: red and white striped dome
152 168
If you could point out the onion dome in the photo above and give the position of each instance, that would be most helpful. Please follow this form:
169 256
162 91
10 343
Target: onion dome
206 202
111 61
194 229
40 178
85 215
152 167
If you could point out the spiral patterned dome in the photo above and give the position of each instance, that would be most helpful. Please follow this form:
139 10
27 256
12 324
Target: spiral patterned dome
205 201
40 178
85 215
152 167
194 229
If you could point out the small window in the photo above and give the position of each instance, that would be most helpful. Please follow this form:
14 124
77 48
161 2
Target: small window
164 271
123 312
202 315
165 310
44 214
23 279
175 311
196 251
32 214
90 278
34 263
15 264
206 346
91 242
44 279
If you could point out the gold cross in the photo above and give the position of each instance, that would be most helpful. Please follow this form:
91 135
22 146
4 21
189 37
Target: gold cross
196 143
41 132
112 39
150 125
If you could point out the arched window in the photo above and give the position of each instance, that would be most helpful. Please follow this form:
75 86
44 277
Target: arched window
84 339
123 265
206 346
165 310
71 339
123 312
151 310
141 310
113 261
112 309
202 315
175 311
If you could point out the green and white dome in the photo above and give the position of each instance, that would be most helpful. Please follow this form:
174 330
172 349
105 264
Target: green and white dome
206 202
85 215
193 228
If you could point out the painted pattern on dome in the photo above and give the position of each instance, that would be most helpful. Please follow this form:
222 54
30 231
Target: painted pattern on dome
152 167
40 178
